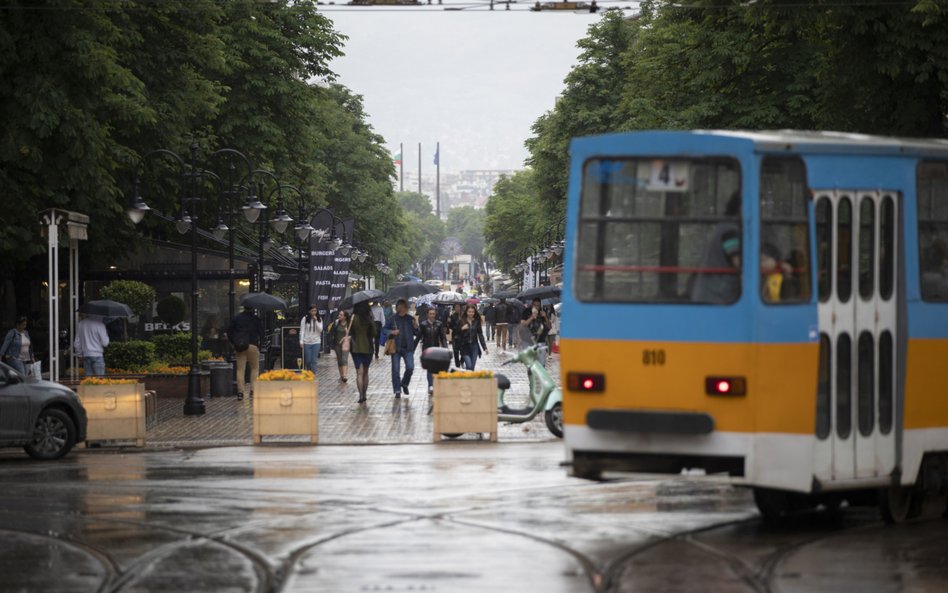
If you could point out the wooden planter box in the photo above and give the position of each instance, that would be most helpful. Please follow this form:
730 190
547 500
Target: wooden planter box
282 408
116 412
175 385
465 405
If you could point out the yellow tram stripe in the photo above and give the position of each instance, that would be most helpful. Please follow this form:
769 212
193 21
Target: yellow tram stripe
781 381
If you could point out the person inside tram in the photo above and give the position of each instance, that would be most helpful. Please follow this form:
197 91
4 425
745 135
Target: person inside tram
720 279
772 273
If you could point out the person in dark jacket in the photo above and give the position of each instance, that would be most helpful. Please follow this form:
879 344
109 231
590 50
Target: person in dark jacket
491 319
245 334
513 321
403 328
431 335
500 324
454 321
470 340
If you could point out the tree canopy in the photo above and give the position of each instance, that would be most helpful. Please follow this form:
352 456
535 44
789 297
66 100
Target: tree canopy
878 68
466 224
91 86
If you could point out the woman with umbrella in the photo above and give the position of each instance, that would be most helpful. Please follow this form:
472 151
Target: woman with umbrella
337 331
361 334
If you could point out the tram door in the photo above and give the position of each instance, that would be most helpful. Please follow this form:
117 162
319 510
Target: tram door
857 236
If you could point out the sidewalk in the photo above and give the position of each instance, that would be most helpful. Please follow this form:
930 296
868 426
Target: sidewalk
384 420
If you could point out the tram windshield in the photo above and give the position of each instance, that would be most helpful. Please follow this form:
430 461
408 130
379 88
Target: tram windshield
661 231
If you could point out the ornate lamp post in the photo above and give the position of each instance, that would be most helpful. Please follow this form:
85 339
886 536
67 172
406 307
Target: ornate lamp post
191 197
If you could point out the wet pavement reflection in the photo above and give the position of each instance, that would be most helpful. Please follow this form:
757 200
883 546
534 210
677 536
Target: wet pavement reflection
453 517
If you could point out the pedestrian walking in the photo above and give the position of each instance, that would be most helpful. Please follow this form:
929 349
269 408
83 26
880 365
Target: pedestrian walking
500 321
311 337
471 337
245 334
431 335
513 321
91 340
378 314
362 335
491 319
454 326
337 331
403 328
17 348
536 321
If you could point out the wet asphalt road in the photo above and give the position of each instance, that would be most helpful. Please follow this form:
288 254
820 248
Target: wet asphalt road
453 517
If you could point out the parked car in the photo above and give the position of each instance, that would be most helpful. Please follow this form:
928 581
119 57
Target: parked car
45 418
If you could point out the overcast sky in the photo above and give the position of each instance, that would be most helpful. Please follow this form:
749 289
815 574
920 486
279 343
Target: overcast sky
475 81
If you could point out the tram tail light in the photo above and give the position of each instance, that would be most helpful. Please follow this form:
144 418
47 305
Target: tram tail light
586 382
725 386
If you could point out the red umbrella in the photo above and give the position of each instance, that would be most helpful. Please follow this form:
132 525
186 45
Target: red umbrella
473 301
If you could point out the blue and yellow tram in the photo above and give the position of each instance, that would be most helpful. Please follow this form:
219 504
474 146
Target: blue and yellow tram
770 305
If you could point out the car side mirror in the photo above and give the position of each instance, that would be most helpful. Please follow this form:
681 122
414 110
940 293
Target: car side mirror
12 377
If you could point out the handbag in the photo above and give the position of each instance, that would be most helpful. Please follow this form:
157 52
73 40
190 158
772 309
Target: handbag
391 345
35 369
345 343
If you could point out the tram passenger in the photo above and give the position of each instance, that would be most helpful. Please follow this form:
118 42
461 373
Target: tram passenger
720 284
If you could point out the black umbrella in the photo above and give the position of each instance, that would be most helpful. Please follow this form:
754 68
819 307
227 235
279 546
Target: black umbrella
540 292
363 296
106 308
449 298
505 294
263 301
409 290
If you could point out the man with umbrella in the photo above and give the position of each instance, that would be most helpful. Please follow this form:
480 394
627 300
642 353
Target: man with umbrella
403 328
90 343
245 334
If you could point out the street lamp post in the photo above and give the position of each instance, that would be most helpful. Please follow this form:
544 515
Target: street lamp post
192 195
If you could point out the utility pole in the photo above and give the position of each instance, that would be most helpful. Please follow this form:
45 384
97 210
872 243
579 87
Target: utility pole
401 167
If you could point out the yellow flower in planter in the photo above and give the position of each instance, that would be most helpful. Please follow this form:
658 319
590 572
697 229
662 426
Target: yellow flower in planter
466 375
286 375
107 381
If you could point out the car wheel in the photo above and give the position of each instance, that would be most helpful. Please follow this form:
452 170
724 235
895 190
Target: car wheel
54 435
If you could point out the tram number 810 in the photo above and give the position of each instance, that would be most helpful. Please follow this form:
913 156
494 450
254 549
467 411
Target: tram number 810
653 357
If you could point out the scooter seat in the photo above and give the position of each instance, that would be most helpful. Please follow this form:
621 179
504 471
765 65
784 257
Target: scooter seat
502 381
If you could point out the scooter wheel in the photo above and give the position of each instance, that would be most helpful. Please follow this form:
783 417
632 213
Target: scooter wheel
554 420
451 435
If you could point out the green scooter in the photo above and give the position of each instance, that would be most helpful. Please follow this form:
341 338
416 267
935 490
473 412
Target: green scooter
545 396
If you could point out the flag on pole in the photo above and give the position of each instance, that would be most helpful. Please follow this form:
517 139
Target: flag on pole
437 156
398 157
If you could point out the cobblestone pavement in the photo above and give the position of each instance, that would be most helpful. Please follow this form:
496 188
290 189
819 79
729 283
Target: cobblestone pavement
229 421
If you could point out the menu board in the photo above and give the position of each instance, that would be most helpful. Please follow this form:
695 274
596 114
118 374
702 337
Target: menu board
290 342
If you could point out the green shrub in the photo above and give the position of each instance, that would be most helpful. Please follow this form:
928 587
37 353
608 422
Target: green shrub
171 309
137 295
134 355
173 348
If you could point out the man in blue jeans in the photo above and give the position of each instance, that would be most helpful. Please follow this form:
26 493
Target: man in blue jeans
403 328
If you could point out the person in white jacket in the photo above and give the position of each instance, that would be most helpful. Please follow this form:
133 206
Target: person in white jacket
311 334
90 343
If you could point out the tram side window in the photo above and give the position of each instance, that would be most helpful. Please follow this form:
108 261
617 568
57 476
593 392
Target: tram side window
932 201
660 230
785 241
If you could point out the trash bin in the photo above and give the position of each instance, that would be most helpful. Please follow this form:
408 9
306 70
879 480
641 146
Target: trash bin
222 379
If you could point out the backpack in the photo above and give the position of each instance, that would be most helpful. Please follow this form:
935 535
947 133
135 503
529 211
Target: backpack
241 342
